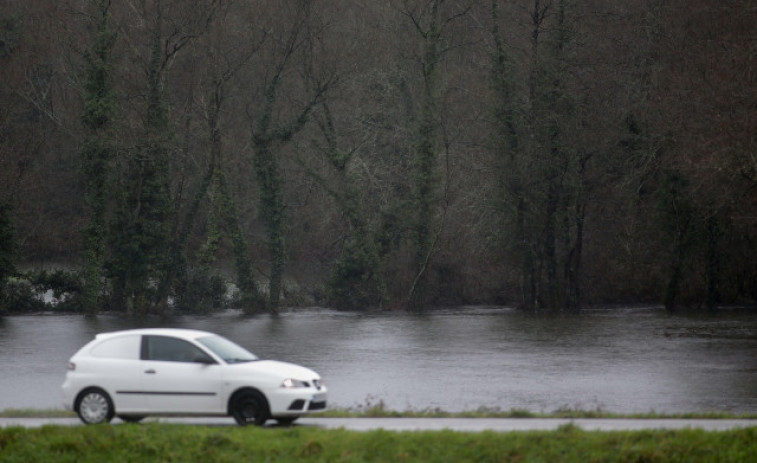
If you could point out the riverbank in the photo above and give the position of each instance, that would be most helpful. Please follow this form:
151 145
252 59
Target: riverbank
169 442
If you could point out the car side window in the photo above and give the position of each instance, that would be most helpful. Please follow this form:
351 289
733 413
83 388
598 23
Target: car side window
168 349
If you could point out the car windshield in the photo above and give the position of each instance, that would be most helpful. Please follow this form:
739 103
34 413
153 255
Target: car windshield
227 350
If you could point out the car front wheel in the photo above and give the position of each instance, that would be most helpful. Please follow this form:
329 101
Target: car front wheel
94 406
249 407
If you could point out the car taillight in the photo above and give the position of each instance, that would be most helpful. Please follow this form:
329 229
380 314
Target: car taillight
71 366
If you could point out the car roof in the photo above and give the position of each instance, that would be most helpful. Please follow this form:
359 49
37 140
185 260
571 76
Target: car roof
175 332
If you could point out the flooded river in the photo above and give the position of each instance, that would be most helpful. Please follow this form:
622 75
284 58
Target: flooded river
617 360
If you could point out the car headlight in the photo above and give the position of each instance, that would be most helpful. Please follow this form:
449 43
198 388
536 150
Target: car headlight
291 382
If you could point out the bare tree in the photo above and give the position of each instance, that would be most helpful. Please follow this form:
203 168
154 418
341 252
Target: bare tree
269 133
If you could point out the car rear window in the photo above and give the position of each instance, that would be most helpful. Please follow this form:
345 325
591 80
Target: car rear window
121 347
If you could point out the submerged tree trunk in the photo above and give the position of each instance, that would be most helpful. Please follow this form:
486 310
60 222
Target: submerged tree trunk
96 155
356 280
7 249
251 299
141 234
675 215
550 170
268 135
272 209
425 176
714 233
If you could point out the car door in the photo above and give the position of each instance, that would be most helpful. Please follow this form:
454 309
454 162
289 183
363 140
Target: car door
178 377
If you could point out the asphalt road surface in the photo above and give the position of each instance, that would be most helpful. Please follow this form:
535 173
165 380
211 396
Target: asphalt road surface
435 424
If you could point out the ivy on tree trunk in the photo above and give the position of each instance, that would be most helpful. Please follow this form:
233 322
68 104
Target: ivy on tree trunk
96 153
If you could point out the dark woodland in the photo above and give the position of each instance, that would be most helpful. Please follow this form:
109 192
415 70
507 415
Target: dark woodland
398 154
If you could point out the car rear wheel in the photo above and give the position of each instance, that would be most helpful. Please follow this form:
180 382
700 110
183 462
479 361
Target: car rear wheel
249 407
94 406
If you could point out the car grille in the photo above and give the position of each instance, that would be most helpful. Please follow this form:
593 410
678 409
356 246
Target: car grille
298 404
317 405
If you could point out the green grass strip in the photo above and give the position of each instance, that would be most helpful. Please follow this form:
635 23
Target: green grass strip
382 412
182 443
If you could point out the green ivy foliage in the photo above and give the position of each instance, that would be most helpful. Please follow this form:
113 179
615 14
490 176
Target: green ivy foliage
7 249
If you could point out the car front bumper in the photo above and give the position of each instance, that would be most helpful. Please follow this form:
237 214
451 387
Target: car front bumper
297 401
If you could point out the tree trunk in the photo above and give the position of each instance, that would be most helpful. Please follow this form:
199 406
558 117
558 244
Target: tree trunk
96 155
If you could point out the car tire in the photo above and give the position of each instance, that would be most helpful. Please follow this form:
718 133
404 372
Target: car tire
131 418
249 407
94 406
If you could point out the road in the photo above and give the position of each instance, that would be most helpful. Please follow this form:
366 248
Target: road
434 424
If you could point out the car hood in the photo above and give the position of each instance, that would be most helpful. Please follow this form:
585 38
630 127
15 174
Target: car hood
274 368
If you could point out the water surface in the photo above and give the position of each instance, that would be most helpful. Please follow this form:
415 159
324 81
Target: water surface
619 360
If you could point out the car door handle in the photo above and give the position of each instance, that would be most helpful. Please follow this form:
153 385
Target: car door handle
150 371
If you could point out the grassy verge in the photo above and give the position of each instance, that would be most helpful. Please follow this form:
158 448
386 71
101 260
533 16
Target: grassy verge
378 411
177 443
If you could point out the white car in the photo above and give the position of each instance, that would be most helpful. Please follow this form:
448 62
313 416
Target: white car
135 373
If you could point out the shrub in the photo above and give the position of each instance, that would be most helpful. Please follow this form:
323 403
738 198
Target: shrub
42 291
203 292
